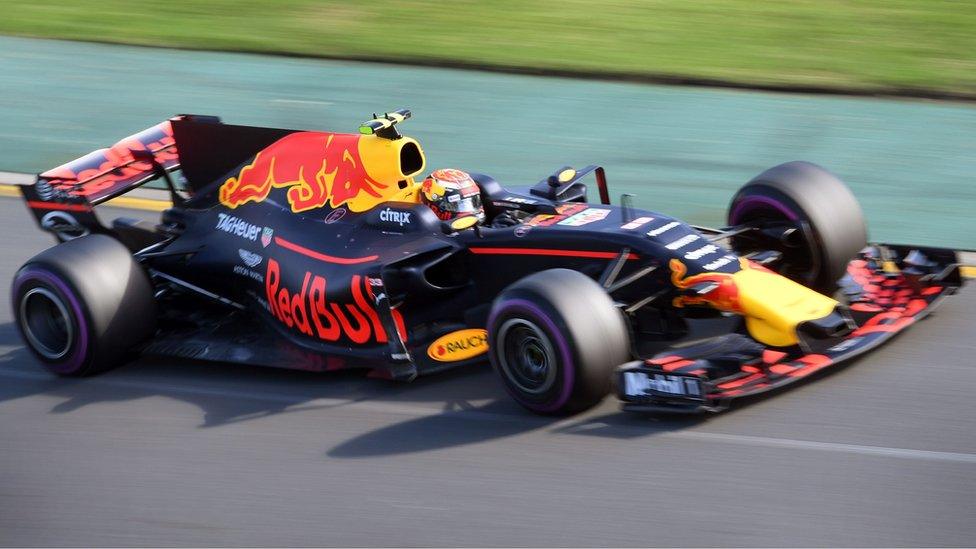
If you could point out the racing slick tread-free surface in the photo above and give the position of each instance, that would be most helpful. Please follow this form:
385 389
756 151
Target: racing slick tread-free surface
587 325
821 199
112 293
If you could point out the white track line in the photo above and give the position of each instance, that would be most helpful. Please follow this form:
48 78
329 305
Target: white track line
416 411
906 453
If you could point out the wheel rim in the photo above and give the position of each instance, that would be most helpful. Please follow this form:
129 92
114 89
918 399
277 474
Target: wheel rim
527 356
46 323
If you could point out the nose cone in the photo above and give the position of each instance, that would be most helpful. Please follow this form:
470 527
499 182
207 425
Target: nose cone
774 306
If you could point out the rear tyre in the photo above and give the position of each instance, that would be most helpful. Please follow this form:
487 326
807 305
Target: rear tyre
555 338
832 224
83 304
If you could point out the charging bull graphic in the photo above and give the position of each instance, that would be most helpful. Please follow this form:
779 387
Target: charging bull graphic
316 168
724 296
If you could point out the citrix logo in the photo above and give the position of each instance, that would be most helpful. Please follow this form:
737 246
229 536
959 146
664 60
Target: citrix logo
395 216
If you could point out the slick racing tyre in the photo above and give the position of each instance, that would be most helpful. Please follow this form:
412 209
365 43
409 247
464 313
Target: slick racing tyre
555 338
83 304
830 224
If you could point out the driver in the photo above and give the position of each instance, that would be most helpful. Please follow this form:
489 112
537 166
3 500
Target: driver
451 194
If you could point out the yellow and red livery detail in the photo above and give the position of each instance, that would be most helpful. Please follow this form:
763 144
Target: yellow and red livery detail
773 305
321 168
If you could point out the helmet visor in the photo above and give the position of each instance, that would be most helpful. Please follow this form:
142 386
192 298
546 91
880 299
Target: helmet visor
458 204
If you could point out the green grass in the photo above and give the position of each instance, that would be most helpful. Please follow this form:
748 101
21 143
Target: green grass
869 45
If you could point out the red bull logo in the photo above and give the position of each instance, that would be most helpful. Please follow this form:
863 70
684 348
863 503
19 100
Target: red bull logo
316 168
309 311
724 296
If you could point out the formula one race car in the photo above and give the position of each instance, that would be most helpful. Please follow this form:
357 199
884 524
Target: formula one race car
311 250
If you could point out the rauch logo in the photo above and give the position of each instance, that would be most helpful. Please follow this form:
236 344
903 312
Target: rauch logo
459 345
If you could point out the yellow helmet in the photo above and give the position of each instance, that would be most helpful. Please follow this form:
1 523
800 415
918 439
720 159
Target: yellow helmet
451 193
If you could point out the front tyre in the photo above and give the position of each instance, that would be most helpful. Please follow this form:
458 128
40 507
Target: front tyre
804 195
82 305
555 338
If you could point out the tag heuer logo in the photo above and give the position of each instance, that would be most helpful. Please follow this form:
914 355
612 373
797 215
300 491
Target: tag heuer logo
266 235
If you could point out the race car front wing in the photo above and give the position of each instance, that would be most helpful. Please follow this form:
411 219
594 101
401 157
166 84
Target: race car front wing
888 288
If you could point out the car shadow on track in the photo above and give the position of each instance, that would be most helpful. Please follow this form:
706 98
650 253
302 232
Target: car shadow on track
454 408
497 420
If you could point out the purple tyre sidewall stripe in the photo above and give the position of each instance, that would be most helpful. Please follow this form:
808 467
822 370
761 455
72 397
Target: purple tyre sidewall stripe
77 357
756 202
569 371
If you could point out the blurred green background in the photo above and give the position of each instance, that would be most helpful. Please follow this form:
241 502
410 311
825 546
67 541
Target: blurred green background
681 150
925 47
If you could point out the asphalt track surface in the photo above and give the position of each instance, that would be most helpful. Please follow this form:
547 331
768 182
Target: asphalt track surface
174 452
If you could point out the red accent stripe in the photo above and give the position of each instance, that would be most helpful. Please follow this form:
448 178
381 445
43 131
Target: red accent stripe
663 359
770 356
741 381
320 256
546 251
672 366
38 205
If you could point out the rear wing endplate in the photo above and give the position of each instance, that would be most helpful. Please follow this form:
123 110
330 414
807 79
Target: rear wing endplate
62 198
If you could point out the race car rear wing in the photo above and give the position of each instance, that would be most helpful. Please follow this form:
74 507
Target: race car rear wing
62 198
106 173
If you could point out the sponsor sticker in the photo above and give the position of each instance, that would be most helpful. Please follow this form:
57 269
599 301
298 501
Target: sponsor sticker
642 384
682 242
237 227
249 258
720 262
395 216
519 200
545 220
637 223
459 345
266 235
585 217
701 252
309 310
522 230
64 224
335 215
845 345
248 273
663 228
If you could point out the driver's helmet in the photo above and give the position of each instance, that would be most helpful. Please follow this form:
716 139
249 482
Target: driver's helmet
452 194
